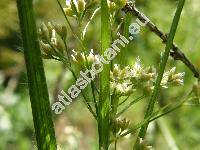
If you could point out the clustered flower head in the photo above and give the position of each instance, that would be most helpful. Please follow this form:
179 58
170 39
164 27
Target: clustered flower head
51 40
120 81
116 4
171 78
131 78
143 145
81 59
74 6
119 125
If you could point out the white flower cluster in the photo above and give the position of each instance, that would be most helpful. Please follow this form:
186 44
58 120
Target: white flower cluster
80 58
116 4
120 80
125 81
74 6
51 40
170 77
143 145
119 125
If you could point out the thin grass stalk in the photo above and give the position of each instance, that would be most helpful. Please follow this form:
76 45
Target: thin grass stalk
104 99
81 41
162 66
42 118
123 53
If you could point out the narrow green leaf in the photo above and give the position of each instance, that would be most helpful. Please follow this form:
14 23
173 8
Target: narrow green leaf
104 99
162 65
42 118
123 53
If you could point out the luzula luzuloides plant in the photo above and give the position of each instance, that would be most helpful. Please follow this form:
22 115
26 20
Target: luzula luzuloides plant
117 81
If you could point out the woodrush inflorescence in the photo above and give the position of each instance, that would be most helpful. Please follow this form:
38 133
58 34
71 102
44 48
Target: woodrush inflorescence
123 81
127 80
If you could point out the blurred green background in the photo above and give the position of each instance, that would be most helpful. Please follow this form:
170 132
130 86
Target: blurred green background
75 128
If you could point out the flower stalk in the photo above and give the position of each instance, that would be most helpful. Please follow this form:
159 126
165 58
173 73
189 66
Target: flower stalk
163 63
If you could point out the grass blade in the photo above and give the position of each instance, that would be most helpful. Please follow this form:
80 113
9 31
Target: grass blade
123 53
44 130
162 65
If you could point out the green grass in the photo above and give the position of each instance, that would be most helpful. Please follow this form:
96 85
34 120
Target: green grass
162 65
42 118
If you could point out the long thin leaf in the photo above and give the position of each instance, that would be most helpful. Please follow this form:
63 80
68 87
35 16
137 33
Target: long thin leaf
162 65
42 118
123 53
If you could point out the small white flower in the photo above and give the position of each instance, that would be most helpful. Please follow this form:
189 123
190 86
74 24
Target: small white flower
91 56
178 82
68 2
73 58
164 80
179 75
172 71
53 37
136 69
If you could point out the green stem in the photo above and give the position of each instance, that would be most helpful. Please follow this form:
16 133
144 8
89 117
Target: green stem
104 98
69 24
123 53
42 118
162 66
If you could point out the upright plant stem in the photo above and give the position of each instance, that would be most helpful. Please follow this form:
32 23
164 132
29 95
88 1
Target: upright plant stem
104 99
42 118
162 66
123 53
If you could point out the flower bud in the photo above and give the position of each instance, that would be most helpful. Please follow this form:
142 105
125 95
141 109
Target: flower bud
78 58
68 11
116 70
46 48
115 126
143 145
59 46
68 3
124 124
81 5
119 125
91 57
123 73
112 6
148 90
61 30
44 32
53 38
178 75
40 32
177 82
146 76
